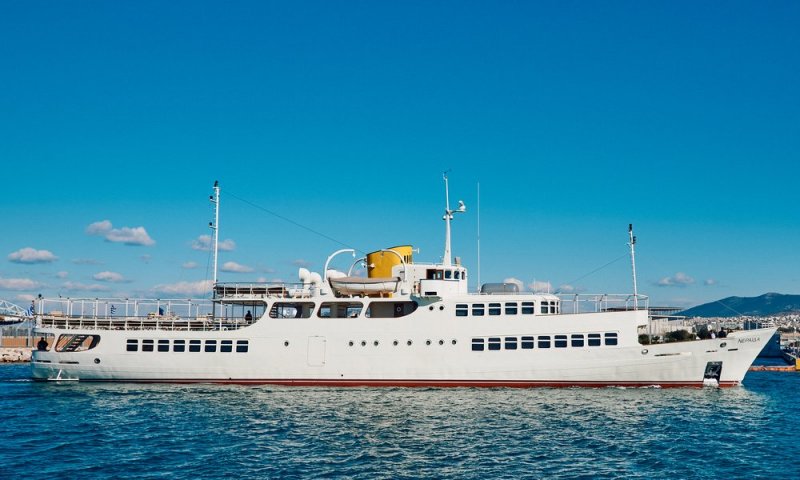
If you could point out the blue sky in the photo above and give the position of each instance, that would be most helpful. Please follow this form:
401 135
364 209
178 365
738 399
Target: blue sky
576 118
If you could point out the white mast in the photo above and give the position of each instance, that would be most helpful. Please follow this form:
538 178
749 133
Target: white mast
215 225
632 244
479 236
448 215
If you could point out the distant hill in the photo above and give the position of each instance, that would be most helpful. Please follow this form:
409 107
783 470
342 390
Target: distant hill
767 304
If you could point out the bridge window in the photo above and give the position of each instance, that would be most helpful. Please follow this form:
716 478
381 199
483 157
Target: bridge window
527 308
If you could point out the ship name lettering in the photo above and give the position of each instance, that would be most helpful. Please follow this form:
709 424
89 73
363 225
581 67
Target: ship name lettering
748 339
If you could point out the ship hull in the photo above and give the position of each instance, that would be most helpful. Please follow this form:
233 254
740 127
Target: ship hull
408 353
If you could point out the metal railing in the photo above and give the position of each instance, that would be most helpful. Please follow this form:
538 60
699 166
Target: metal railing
606 302
263 290
141 314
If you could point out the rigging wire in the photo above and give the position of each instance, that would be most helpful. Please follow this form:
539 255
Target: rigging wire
597 269
297 224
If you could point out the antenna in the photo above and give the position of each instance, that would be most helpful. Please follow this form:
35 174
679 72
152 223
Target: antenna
479 235
632 244
448 215
215 225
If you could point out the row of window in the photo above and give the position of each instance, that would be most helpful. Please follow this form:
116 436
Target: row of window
509 308
544 341
224 346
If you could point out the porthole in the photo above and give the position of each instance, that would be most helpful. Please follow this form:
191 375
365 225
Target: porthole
350 343
286 343
427 342
375 343
441 342
363 343
430 308
723 344
96 360
644 351
441 307
409 343
454 341
395 343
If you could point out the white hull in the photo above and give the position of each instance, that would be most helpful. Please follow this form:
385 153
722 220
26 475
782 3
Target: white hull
319 353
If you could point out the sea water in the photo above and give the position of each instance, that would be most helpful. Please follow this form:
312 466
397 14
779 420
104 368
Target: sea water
97 430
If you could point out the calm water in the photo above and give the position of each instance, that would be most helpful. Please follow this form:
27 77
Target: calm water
74 430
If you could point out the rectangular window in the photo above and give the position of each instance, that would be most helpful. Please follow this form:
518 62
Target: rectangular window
462 310
577 340
163 345
241 346
147 345
477 309
226 346
133 345
194 345
545 307
211 345
544 341
594 340
494 309
179 345
477 344
527 308
511 308
448 274
527 343
494 343
560 341
511 343
611 339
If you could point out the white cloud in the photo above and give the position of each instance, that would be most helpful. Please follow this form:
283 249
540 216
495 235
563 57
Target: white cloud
18 284
99 228
541 287
516 281
109 277
566 288
125 235
31 255
235 268
86 261
189 265
194 289
709 282
203 242
680 279
62 274
24 297
77 286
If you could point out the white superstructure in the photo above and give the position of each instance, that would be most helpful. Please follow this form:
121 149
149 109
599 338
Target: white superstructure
405 324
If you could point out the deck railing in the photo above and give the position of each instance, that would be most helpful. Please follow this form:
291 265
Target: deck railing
606 302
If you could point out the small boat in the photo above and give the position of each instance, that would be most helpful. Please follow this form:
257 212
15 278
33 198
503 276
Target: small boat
364 286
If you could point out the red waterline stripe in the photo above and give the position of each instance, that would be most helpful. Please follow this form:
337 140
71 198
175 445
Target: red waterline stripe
425 383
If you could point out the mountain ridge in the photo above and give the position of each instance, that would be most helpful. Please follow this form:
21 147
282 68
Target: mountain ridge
771 303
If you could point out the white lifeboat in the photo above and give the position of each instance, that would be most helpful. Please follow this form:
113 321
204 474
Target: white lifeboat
364 285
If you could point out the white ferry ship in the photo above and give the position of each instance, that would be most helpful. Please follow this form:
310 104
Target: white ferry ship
404 324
